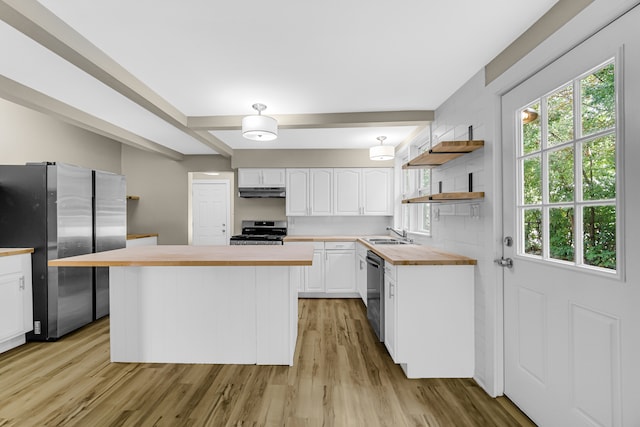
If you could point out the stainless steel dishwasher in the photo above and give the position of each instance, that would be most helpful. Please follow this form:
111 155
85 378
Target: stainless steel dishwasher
375 293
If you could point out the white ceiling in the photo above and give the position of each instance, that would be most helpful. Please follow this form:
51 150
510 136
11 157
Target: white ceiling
217 58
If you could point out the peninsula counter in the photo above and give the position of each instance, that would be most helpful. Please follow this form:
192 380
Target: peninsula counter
202 304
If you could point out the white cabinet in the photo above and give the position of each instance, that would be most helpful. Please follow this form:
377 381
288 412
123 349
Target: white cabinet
429 319
16 309
377 191
363 191
339 272
251 177
346 192
316 273
331 273
361 271
309 192
390 321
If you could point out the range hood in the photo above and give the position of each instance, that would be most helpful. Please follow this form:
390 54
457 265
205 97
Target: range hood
261 192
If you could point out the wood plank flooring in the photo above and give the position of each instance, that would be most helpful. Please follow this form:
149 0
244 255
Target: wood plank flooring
341 377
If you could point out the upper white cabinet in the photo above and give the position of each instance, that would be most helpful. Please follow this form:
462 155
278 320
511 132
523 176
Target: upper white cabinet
309 192
339 192
363 191
16 310
250 177
346 191
376 191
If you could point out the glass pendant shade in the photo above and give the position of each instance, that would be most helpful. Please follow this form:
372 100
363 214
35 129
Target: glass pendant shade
382 152
259 127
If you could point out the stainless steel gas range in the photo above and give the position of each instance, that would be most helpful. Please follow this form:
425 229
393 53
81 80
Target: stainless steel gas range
260 233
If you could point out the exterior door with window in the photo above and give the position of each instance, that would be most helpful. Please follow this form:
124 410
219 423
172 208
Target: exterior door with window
210 210
572 296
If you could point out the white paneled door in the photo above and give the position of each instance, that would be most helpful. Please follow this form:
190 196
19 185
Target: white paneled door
572 295
210 212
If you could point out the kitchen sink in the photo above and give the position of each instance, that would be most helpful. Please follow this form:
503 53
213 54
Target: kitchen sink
386 242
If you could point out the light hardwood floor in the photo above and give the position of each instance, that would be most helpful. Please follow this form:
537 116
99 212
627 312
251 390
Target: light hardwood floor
341 377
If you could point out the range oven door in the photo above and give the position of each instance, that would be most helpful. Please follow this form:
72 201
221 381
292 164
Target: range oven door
375 293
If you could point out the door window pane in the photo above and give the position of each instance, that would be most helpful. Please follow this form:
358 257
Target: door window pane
533 231
561 180
599 235
560 116
598 101
561 224
531 135
599 169
532 176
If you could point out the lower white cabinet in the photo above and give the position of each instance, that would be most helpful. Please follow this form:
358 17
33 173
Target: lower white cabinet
429 319
339 272
332 273
361 271
16 309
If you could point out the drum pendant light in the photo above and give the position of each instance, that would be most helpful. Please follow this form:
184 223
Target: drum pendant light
259 127
381 152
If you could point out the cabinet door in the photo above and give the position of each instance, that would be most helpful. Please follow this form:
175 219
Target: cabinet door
346 192
273 178
249 177
377 188
315 278
320 190
339 272
297 198
11 305
390 320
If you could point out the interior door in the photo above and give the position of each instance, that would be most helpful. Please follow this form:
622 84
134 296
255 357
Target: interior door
572 327
210 212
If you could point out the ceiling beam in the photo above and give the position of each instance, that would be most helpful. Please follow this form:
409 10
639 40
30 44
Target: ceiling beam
317 121
30 98
38 23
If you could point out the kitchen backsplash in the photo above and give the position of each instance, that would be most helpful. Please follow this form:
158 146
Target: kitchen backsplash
338 225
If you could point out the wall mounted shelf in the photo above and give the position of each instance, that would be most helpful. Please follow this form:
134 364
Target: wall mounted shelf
442 153
447 197
133 197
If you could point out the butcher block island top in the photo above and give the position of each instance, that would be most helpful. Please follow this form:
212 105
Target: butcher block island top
185 255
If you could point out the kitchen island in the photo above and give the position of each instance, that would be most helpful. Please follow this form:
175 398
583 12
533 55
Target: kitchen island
202 304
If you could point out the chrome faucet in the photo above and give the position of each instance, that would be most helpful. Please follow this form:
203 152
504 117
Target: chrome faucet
402 234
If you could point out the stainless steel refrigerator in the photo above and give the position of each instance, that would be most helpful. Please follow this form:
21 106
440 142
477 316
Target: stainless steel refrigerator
49 207
109 229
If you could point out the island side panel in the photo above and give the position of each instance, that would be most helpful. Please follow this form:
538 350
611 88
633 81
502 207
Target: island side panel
183 314
277 315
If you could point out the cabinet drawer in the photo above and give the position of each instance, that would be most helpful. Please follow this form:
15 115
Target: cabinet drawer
340 245
11 264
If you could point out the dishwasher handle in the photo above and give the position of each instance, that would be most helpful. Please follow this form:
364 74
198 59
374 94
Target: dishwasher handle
373 263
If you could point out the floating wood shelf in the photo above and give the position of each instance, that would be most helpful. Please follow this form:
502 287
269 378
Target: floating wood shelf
443 152
446 197
133 197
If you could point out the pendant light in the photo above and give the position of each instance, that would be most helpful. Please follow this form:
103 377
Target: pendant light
259 127
382 152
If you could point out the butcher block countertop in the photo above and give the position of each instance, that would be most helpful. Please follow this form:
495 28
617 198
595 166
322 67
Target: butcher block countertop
320 238
185 255
141 236
15 251
408 254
